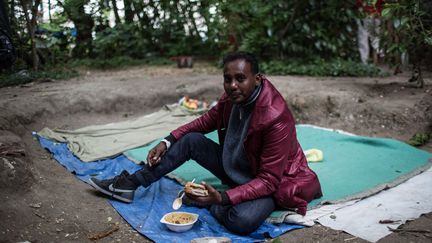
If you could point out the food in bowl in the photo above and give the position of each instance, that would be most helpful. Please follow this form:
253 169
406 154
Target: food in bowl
179 218
179 221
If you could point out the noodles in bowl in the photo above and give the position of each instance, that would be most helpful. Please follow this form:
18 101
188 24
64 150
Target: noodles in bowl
179 218
179 221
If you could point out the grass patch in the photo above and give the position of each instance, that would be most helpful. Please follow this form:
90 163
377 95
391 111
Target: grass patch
322 68
119 62
420 139
276 240
11 78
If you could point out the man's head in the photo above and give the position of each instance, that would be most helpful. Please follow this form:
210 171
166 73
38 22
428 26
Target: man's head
241 75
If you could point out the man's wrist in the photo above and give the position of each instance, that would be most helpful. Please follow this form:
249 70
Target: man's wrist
225 199
170 138
167 143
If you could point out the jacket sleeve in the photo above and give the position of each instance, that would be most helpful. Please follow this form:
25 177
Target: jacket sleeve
277 146
203 124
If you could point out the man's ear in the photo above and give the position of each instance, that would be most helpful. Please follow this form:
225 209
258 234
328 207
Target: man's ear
258 79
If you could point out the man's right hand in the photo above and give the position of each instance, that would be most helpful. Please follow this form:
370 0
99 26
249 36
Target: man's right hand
155 154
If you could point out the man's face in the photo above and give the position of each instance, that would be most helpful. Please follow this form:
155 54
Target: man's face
239 82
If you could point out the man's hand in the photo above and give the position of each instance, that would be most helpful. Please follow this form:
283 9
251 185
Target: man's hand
214 197
155 154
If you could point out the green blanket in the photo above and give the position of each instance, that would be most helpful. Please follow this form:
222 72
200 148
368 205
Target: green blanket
98 142
353 166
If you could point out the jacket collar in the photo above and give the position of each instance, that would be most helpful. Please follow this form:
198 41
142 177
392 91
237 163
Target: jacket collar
266 106
264 110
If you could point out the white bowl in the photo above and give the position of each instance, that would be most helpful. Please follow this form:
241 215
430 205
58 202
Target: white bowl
168 218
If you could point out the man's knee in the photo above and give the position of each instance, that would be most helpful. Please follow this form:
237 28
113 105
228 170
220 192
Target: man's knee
194 141
242 223
193 137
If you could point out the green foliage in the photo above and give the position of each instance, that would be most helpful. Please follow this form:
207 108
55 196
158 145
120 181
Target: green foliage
56 24
53 45
335 67
294 29
276 240
121 40
83 22
305 37
411 22
118 62
74 7
27 76
420 139
157 61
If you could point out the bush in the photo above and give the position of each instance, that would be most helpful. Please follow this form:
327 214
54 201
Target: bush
335 67
121 40
118 62
26 76
420 139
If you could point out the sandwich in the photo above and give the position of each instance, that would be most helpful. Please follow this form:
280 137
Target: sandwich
196 189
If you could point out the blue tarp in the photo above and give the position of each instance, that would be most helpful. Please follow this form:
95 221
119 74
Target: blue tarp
151 203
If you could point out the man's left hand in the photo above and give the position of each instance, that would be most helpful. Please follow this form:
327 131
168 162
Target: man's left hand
214 197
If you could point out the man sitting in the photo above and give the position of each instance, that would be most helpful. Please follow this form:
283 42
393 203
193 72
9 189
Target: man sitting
259 156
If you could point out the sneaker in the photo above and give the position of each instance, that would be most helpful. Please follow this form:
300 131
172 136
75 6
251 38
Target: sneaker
119 187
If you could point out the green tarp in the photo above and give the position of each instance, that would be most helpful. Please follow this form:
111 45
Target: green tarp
353 166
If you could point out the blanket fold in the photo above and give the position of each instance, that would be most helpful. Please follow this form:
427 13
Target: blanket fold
98 142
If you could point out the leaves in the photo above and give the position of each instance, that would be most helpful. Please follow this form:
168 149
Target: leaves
335 67
386 12
304 30
428 39
412 28
420 139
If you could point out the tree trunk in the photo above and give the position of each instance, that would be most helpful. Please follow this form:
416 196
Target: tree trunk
115 9
417 76
4 10
84 25
155 10
31 25
129 13
102 23
12 13
204 12
183 12
147 30
49 11
394 58
14 27
144 21
192 18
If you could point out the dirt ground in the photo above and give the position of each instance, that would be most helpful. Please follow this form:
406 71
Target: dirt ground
42 202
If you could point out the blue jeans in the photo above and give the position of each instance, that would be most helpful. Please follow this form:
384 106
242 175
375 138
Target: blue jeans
236 218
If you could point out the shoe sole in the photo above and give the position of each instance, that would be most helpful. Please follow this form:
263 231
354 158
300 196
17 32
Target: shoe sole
108 192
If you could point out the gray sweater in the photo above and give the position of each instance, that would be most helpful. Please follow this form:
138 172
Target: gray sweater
235 162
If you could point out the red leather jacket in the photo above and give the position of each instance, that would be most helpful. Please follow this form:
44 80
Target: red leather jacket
271 145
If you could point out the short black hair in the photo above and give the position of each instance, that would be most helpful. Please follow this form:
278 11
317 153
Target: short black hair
247 56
